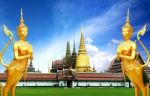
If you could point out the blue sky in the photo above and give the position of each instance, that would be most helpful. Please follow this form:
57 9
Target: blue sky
53 22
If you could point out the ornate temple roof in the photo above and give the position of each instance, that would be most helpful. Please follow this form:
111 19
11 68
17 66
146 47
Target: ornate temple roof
33 77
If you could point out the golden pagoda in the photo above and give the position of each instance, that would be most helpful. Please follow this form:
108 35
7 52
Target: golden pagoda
82 61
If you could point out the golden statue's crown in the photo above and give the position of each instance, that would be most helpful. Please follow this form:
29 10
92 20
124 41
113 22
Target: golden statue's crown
22 26
127 25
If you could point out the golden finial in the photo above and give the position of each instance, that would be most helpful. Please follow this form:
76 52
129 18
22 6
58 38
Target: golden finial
82 30
21 18
82 48
128 18
127 24
22 25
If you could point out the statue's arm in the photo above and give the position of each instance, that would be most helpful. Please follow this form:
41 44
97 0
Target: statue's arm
118 58
16 56
133 53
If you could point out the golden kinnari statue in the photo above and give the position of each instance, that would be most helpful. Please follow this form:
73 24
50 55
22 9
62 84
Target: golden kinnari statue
130 65
22 54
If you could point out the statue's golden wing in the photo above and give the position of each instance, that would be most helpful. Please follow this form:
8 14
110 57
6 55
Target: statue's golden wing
8 32
141 32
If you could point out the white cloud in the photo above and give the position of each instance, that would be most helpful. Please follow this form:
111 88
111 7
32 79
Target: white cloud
92 49
106 22
99 59
115 41
89 40
44 55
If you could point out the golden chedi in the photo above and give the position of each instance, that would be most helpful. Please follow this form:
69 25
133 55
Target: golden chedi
82 61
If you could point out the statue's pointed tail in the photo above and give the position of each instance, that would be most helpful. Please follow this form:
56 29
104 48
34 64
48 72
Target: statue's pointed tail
147 87
1 89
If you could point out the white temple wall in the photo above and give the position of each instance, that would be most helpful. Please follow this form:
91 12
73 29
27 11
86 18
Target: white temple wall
62 83
36 83
97 84
74 83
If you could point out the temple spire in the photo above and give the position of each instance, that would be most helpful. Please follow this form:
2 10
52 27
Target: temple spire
82 48
21 17
68 53
128 16
127 24
82 61
74 49
22 25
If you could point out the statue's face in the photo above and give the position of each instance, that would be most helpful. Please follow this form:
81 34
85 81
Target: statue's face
23 32
126 33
